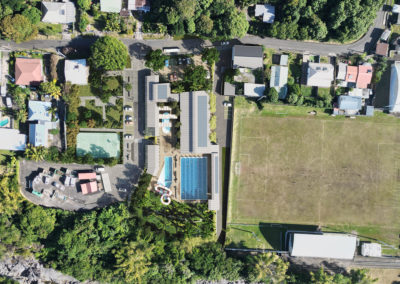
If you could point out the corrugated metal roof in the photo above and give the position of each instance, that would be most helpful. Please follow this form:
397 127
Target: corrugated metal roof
323 245
162 92
38 110
349 103
12 140
247 56
394 97
58 12
279 76
38 135
106 182
254 90
152 159
111 6
202 121
320 74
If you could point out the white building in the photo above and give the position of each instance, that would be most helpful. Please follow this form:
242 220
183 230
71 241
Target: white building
327 245
254 90
267 12
394 99
76 71
320 74
12 140
371 249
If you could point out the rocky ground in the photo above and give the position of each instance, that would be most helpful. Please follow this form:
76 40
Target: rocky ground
31 271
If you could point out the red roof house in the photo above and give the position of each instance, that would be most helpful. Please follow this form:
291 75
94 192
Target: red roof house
364 76
351 75
89 187
86 176
28 71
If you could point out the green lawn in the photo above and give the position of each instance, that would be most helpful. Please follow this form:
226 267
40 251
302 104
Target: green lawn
114 116
85 91
289 167
306 91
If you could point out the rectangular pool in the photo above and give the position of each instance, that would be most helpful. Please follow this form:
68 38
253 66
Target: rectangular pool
168 171
194 178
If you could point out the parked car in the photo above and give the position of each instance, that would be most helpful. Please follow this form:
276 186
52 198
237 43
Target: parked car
128 117
122 189
128 122
128 136
3 90
99 168
128 108
227 104
8 102
224 42
208 76
188 60
180 61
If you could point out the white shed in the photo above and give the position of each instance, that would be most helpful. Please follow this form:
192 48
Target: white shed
327 245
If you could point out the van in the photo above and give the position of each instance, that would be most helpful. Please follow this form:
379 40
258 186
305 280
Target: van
8 102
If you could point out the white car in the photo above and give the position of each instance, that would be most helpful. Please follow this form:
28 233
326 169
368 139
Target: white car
128 117
127 108
8 102
227 104
99 168
128 136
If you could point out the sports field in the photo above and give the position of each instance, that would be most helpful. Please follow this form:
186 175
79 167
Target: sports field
98 144
292 168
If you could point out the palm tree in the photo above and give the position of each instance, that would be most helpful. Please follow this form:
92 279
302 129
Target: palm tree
21 115
35 153
52 111
268 268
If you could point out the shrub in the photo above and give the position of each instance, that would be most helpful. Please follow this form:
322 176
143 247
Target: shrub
213 122
213 137
54 131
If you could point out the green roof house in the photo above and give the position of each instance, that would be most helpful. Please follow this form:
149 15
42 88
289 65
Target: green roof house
111 6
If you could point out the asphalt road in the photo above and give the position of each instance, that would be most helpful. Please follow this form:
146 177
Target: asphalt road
136 47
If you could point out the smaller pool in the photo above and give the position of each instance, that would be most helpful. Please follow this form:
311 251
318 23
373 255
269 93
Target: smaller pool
165 178
166 129
4 122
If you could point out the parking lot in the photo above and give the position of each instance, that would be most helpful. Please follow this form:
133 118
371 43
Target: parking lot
50 188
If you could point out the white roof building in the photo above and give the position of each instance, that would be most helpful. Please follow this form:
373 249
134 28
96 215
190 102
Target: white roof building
254 90
342 69
371 249
267 12
328 245
320 74
394 98
58 12
76 71
396 9
12 140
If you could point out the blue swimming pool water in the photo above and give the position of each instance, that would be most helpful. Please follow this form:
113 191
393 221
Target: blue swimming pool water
194 178
4 122
168 171
166 130
165 177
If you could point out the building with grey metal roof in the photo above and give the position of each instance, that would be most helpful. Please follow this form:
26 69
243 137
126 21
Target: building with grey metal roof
279 77
155 93
152 159
247 56
58 12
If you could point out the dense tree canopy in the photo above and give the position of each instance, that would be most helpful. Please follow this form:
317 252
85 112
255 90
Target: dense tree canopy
108 53
18 28
318 19
33 14
155 59
211 18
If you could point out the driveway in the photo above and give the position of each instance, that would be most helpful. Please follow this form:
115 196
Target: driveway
121 177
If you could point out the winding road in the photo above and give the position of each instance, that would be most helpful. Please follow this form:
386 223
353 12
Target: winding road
140 47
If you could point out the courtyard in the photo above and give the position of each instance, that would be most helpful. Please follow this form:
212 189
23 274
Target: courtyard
294 171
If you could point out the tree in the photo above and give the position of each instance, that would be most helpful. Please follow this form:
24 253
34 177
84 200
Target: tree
37 223
35 153
18 28
211 55
186 8
84 4
83 21
133 260
21 115
195 79
204 25
273 95
108 53
32 14
111 83
155 59
50 88
113 22
245 3
267 268
235 24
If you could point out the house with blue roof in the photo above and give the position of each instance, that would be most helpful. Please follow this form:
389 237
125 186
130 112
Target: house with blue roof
40 123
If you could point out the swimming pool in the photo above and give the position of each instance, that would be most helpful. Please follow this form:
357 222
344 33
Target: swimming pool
4 122
165 177
166 129
194 178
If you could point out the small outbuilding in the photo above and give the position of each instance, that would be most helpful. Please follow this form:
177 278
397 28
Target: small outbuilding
254 90
266 11
371 249
323 245
111 6
382 49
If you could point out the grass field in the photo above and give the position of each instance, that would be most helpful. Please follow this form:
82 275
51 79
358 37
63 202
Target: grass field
292 168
